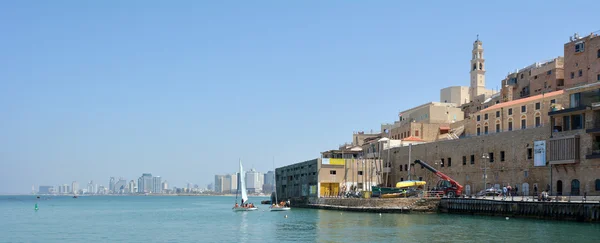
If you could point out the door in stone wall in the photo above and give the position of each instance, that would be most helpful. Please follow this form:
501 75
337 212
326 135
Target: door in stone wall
525 189
559 188
467 190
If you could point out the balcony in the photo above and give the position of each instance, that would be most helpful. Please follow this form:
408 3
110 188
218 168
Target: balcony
594 151
564 150
554 112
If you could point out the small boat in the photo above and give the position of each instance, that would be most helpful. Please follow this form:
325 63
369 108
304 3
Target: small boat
242 190
277 208
268 202
404 184
241 209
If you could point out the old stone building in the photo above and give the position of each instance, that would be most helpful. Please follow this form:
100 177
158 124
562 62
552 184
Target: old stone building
582 60
538 78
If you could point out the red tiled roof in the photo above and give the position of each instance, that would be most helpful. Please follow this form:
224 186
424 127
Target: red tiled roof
413 139
524 100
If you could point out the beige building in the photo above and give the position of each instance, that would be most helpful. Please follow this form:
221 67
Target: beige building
518 114
455 94
428 122
582 60
561 153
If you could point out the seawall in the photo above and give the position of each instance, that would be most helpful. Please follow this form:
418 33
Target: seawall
570 211
374 205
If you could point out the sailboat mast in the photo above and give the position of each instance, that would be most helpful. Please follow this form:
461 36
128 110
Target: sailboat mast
274 181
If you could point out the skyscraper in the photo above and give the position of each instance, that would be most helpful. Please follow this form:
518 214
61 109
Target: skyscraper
75 187
132 187
269 179
120 186
219 183
156 184
145 183
254 181
111 185
45 189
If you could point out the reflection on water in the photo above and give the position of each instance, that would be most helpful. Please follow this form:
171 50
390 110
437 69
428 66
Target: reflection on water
210 219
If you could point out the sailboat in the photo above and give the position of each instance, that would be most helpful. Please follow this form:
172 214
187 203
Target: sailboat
276 206
244 193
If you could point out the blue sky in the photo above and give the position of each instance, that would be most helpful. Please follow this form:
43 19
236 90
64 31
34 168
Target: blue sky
183 89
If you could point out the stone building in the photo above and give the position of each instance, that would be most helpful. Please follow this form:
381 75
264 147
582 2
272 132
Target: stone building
582 60
538 78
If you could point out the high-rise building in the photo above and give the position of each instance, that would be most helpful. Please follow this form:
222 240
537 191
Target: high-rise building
156 184
132 187
209 187
120 186
75 187
254 181
145 183
91 187
111 185
219 183
165 186
45 189
269 179
233 181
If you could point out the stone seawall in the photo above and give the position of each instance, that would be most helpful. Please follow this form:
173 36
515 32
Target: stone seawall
589 212
391 205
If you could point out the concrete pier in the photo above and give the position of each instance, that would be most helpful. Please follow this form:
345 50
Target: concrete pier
573 211
374 205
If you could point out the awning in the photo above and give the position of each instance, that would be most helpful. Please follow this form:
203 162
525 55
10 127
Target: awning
444 128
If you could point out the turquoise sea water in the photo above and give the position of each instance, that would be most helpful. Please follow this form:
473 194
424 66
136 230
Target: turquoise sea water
210 219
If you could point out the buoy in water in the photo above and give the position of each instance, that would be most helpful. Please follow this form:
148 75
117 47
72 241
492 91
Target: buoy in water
379 214
36 207
506 218
286 216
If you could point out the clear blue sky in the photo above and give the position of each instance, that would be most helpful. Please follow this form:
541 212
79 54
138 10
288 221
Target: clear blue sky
93 89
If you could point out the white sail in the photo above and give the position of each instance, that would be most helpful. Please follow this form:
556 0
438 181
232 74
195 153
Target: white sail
243 183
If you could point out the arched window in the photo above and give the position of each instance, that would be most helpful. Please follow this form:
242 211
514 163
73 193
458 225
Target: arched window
575 187
538 120
474 66
406 167
523 122
559 188
497 126
480 66
510 124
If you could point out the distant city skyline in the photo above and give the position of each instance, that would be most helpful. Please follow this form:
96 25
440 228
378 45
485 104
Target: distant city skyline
98 89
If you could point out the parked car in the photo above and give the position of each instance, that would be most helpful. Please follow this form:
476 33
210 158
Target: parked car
490 192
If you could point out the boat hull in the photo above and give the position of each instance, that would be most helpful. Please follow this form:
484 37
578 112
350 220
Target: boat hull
244 209
280 209
403 184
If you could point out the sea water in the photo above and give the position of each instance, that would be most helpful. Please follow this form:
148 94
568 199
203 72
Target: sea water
210 219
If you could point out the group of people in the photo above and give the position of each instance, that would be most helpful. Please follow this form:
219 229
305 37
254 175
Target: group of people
244 205
282 204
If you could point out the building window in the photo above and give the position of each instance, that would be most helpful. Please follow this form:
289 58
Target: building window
521 75
537 105
538 121
572 75
472 159
580 73
577 121
580 47
449 162
478 118
510 125
501 155
498 128
598 53
491 157
442 163
478 131
465 162
416 133
332 172
523 124
510 111
485 116
598 77
525 174
474 66
523 109
400 167
575 187
553 101
529 153
360 172
497 114
598 180
549 72
406 167
485 130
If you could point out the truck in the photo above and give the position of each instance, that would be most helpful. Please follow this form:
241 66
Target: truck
449 186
